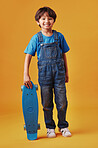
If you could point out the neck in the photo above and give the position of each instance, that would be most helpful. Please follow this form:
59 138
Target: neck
47 32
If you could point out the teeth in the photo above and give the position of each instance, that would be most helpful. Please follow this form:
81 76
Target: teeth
46 25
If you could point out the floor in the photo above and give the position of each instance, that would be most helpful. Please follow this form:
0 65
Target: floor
83 126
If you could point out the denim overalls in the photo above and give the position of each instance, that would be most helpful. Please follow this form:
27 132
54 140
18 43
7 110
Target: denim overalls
52 79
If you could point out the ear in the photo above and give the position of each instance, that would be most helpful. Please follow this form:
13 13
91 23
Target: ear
37 22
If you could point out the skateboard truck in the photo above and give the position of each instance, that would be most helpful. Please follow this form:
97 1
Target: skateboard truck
37 128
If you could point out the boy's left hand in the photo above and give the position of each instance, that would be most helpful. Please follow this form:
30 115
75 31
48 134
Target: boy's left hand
66 77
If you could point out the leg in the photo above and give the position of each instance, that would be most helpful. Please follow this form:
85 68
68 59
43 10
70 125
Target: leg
47 102
61 104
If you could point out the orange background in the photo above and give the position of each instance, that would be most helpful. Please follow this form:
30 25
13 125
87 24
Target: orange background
78 21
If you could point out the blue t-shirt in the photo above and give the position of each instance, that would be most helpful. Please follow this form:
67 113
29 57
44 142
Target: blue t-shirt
34 45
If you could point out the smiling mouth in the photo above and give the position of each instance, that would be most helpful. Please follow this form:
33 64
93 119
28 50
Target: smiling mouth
46 25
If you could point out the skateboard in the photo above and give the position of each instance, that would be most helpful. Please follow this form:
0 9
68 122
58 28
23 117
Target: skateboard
30 111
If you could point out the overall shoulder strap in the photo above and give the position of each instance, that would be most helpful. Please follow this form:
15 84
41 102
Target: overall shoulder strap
40 37
55 35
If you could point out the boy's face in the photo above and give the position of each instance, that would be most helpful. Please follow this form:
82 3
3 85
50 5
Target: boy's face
46 22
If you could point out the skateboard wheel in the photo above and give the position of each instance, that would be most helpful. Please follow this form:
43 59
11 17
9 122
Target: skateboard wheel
38 126
24 127
36 86
22 87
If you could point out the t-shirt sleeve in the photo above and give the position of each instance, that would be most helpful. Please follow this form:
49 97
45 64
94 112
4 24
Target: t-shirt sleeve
63 44
32 46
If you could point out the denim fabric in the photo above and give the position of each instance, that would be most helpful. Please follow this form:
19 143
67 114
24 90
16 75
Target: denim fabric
52 79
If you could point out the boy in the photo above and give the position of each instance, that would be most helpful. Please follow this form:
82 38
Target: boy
51 47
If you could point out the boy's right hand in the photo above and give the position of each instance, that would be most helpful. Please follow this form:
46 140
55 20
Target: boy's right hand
27 82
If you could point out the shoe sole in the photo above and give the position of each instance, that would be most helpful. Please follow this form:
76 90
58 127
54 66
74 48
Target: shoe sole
67 136
52 136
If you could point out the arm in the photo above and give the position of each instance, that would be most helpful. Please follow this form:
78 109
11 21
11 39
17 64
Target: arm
66 68
27 81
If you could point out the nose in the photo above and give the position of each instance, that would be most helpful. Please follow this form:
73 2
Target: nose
47 20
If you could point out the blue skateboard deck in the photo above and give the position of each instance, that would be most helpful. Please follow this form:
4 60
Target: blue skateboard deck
30 111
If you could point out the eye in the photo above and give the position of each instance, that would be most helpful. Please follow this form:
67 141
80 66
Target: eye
43 18
50 18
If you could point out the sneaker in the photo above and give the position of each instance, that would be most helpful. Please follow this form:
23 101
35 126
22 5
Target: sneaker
65 132
51 133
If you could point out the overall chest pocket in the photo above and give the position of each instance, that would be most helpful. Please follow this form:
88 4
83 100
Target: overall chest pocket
50 52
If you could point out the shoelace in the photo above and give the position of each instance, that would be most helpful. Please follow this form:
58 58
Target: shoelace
64 130
49 131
